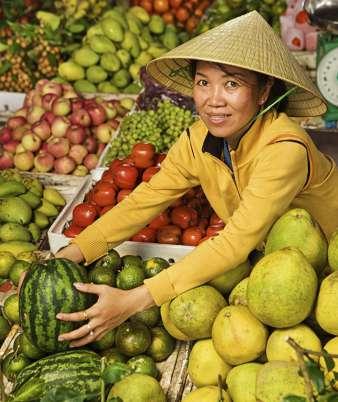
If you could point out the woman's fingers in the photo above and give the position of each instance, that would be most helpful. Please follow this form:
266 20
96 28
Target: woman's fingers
90 287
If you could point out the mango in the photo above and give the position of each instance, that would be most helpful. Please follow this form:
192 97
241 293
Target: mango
143 58
134 24
121 78
156 24
112 29
48 208
110 62
94 30
134 71
41 219
34 231
96 74
101 44
53 196
14 231
124 57
32 199
15 210
133 88
16 247
140 13
84 86
85 57
107 87
71 71
117 15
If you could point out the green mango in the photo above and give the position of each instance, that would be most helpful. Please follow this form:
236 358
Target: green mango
134 24
107 87
35 187
16 247
101 44
16 210
31 198
14 231
71 71
143 58
110 62
112 29
117 15
134 71
170 39
85 56
124 57
156 51
133 88
96 74
48 208
121 78
94 30
140 13
143 44
40 219
131 43
146 35
156 24
35 231
84 86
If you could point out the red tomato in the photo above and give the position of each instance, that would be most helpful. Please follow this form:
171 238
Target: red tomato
159 158
107 177
72 230
161 6
103 185
161 220
84 214
105 209
146 234
184 216
168 18
213 230
147 5
170 234
89 196
202 224
143 155
177 202
182 14
175 3
97 207
192 236
104 197
114 164
125 176
215 220
149 172
122 194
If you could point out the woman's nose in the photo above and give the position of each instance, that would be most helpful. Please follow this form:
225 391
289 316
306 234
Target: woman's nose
216 96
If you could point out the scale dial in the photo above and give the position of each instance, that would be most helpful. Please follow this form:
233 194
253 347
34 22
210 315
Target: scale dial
327 76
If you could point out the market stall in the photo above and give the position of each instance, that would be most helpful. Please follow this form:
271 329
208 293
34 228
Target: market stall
82 125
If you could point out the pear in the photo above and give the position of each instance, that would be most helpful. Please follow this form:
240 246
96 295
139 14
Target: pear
53 196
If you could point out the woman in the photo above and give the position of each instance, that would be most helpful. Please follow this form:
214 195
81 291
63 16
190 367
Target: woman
252 161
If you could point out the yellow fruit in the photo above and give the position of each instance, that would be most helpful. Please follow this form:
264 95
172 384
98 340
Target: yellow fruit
206 394
241 382
11 308
277 347
138 388
7 259
333 251
170 326
276 380
332 348
205 364
238 293
238 336
327 304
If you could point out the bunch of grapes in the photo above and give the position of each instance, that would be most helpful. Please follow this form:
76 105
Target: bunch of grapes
161 127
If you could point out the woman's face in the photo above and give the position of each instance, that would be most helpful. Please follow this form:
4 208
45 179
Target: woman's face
226 99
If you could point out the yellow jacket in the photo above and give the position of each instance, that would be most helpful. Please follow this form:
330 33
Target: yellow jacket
276 166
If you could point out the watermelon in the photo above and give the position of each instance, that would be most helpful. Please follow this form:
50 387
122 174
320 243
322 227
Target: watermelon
78 370
47 290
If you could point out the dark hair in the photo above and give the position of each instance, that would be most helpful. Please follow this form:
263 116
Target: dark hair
278 88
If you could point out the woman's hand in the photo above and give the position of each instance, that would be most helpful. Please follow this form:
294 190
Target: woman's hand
113 307
71 252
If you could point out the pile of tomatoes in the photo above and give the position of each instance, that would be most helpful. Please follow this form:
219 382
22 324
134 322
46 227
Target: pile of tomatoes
186 14
188 221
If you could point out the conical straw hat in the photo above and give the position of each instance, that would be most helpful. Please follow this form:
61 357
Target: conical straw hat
249 42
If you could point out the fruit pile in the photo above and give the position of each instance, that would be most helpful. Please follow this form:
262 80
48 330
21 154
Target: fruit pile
115 49
246 322
160 127
57 130
184 14
188 221
77 9
26 208
131 350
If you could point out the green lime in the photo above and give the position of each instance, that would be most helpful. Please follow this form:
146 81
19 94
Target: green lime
143 364
149 317
17 269
30 350
112 260
13 363
132 338
7 259
152 266
11 308
4 328
131 260
113 355
162 344
106 342
102 275
130 277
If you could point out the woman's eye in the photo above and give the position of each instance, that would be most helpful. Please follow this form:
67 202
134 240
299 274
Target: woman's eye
231 84
202 83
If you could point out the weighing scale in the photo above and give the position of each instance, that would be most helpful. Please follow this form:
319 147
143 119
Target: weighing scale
324 14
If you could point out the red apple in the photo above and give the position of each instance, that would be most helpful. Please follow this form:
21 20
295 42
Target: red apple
34 114
59 126
31 142
20 148
104 132
48 100
61 107
51 87
91 144
96 113
24 160
41 83
76 134
5 135
49 117
19 132
114 123
6 160
37 99
91 161
110 110
43 162
15 121
10 146
78 153
80 117
100 147
21 112
76 103
64 165
58 147
68 91
42 129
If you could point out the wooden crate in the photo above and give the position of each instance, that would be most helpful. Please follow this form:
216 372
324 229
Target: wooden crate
173 369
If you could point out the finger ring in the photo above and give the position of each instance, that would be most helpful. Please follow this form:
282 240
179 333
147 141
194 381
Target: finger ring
91 333
89 327
85 315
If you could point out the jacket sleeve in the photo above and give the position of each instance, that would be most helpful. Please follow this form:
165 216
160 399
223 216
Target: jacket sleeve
142 205
279 174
